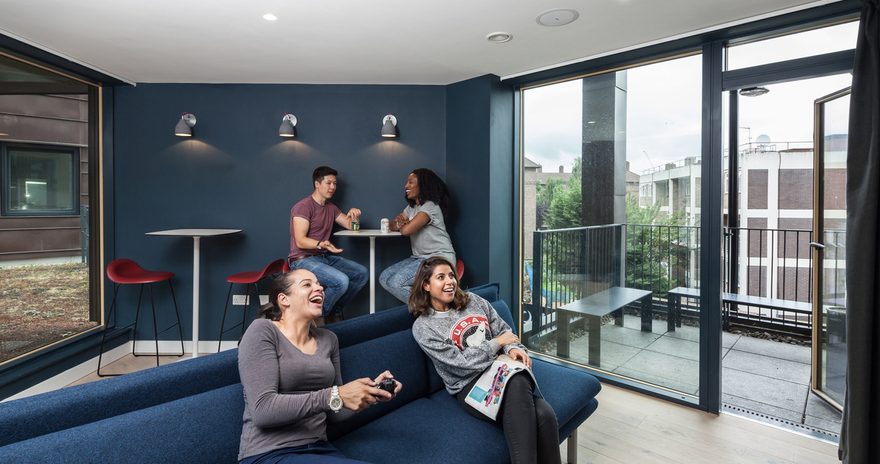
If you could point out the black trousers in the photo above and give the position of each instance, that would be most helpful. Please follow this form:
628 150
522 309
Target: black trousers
529 423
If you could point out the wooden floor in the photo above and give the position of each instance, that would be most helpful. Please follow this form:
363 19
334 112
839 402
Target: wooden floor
129 363
633 428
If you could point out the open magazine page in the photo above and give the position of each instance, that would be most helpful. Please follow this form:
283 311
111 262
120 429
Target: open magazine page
489 390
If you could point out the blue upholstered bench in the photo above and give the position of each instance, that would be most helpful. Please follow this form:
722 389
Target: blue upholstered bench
190 411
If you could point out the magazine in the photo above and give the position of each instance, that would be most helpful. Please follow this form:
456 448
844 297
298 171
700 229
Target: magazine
487 393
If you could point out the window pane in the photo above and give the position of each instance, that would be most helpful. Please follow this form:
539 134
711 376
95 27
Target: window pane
40 180
799 45
611 182
46 235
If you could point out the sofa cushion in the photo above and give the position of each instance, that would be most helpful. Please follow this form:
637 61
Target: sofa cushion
81 404
438 430
360 329
201 428
397 352
504 311
567 428
488 292
567 390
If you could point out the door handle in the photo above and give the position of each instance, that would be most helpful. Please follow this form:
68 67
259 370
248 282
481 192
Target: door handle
817 245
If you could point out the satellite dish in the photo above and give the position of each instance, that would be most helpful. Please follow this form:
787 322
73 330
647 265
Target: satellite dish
763 138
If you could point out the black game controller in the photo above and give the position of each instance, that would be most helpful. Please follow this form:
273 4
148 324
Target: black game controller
388 385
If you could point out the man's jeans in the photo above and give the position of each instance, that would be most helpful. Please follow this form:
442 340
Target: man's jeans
340 277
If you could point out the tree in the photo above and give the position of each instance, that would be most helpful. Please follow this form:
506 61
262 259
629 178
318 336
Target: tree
565 204
654 246
545 194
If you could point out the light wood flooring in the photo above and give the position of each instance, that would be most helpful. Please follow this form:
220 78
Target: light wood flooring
633 428
129 363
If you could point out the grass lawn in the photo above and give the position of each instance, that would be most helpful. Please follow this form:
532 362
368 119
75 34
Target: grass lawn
41 304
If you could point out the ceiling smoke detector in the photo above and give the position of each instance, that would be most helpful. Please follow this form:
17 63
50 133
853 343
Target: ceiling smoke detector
557 17
499 37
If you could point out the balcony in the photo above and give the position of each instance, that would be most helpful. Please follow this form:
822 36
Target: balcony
766 355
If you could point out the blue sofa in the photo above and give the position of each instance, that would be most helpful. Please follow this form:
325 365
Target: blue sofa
191 411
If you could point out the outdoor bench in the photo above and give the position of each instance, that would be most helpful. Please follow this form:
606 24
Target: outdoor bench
674 296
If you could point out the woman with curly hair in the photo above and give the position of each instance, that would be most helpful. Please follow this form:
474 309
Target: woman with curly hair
424 222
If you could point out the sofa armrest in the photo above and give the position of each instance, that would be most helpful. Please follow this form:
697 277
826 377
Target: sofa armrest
81 404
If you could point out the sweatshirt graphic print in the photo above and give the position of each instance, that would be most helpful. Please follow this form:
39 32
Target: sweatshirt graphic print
461 342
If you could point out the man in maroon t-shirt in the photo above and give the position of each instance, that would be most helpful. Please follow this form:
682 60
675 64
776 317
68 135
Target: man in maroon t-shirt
311 222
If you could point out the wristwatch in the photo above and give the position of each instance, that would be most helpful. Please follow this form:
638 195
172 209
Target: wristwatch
335 400
318 246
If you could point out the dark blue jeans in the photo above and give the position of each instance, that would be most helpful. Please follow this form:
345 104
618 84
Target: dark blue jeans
340 277
319 452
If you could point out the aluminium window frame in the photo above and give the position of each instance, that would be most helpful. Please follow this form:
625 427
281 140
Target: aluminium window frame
716 80
7 149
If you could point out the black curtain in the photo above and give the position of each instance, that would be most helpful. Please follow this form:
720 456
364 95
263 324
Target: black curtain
860 433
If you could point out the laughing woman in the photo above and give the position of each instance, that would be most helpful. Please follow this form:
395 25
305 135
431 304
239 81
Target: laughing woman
290 372
462 334
424 222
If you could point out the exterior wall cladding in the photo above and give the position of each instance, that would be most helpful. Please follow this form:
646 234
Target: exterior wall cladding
47 121
777 192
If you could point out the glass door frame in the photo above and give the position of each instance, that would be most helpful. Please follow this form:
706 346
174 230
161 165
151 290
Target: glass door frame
716 80
817 248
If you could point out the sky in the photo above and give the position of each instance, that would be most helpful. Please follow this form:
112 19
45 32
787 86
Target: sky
664 104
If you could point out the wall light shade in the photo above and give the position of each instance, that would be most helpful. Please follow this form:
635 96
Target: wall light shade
389 126
753 91
184 126
288 126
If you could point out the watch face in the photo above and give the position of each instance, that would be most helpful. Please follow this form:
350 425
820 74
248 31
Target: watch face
336 403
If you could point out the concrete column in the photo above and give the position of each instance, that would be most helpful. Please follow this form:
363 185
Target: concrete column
603 183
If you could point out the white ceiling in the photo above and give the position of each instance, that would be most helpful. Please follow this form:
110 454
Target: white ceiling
353 41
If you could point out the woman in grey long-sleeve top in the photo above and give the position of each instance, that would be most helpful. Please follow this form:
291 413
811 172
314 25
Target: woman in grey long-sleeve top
290 372
462 334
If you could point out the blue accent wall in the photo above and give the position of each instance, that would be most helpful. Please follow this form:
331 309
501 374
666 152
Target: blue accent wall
236 172
479 170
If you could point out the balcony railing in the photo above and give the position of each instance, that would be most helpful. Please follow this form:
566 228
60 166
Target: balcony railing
570 264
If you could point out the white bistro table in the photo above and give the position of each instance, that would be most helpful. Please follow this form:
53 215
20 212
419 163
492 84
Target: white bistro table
372 234
196 235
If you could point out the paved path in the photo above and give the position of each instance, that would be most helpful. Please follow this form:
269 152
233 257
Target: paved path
759 376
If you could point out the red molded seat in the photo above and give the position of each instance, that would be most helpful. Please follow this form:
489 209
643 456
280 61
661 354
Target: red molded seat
253 277
459 268
248 279
125 271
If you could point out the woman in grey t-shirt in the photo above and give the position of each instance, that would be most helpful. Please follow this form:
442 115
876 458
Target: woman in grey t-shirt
424 222
292 383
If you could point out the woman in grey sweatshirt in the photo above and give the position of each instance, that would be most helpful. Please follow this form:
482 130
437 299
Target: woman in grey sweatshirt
462 334
290 372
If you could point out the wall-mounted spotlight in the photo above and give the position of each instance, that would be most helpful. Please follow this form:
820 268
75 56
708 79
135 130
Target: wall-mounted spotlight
288 126
389 126
184 126
753 91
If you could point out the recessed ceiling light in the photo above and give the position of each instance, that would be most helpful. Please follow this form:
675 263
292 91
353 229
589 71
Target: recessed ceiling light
270 17
557 17
499 37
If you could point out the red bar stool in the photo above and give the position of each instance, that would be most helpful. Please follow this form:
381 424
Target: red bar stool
247 279
127 272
